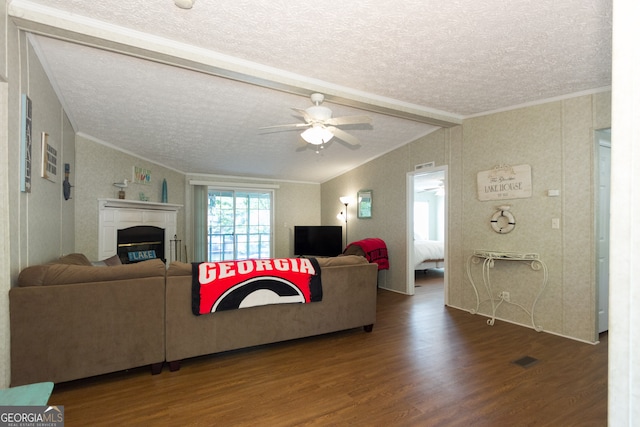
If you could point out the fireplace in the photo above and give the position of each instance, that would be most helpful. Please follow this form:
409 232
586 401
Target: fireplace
135 230
140 243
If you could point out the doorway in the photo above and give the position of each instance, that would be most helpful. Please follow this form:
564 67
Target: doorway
603 189
427 205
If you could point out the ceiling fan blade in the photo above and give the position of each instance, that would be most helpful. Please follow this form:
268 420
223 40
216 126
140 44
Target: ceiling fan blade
348 120
292 126
344 136
303 113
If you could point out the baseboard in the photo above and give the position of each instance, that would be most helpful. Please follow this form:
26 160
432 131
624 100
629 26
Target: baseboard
525 325
393 290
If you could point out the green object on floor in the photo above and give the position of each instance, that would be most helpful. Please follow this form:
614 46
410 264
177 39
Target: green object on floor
26 395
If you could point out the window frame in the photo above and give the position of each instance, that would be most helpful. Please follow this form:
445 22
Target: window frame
235 191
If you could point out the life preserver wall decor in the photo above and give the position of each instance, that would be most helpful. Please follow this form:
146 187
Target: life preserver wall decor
503 221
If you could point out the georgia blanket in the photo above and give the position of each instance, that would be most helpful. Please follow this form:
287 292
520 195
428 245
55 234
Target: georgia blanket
228 285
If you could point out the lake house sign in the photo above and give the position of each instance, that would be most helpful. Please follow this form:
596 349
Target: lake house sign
505 182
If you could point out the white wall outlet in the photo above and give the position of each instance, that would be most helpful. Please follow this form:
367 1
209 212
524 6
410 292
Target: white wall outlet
506 296
555 223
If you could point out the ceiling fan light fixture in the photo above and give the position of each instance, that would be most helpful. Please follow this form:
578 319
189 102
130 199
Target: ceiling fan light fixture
317 135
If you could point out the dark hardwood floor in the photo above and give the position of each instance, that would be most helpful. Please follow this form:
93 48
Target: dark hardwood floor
423 365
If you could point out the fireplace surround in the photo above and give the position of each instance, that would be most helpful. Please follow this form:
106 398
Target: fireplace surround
116 216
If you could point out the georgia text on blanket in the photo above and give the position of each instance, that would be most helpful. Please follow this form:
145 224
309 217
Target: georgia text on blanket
227 285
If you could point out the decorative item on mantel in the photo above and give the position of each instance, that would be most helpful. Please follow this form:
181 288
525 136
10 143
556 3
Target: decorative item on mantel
121 185
165 197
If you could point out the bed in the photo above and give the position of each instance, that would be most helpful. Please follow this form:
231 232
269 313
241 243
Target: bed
428 254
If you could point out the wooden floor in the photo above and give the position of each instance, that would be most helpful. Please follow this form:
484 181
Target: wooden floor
423 365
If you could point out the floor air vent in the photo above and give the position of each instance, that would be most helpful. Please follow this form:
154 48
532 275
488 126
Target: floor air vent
526 361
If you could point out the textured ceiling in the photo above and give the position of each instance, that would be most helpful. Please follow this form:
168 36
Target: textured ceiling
433 62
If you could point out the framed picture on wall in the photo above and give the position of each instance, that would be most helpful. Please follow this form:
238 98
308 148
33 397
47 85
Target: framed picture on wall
141 175
25 145
365 203
49 159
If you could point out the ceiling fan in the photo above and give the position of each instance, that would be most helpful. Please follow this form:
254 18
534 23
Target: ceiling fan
321 127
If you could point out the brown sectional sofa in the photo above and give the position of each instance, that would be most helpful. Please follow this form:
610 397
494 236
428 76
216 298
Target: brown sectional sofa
349 286
71 320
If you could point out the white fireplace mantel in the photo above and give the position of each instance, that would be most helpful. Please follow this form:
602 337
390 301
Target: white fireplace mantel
137 204
118 214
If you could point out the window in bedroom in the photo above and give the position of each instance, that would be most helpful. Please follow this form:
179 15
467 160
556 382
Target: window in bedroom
239 224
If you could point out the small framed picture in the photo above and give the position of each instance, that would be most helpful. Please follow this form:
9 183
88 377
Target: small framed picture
49 159
25 145
141 175
365 203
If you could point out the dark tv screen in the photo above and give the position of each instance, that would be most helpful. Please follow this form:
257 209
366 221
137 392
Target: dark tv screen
317 240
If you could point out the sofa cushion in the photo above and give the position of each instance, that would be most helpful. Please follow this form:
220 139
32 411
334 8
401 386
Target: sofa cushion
63 274
178 268
72 259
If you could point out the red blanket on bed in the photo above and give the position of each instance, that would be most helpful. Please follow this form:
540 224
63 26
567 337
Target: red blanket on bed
227 285
375 251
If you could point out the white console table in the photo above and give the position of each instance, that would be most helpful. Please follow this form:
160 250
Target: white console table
489 259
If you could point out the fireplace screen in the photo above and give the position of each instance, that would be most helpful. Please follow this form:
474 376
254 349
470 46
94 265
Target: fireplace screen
140 243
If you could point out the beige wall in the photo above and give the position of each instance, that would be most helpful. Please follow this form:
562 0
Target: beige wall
386 177
37 226
99 167
44 214
556 140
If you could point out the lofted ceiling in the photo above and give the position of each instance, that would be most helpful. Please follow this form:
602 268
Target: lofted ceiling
190 89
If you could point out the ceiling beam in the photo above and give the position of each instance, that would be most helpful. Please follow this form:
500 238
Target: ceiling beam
51 22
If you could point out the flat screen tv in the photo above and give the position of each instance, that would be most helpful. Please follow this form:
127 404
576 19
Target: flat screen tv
317 240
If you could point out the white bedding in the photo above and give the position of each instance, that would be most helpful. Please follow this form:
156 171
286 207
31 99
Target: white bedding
428 251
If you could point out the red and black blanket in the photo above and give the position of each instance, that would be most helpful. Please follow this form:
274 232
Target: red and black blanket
375 251
228 285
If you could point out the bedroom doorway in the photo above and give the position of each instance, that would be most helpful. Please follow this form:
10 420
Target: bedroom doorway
427 204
